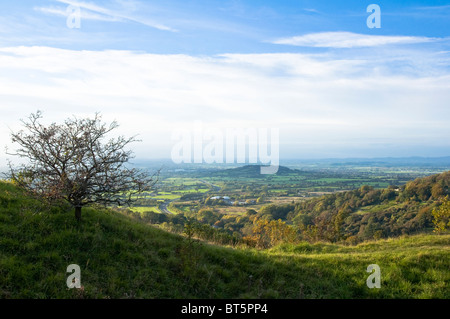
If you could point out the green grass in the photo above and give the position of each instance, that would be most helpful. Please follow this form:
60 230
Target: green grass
378 207
188 191
166 196
142 209
383 207
411 267
122 258
334 180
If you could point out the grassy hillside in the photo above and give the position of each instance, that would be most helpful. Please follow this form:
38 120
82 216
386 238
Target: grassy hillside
369 213
122 258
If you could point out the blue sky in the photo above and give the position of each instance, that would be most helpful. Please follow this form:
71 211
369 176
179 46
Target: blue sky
209 27
314 69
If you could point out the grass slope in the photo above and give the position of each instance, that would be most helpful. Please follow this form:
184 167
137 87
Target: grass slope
121 258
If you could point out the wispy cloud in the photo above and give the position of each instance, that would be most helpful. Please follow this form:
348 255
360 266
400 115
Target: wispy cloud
311 10
85 14
91 11
348 40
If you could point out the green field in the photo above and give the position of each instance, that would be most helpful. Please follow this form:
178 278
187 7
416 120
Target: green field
187 191
166 196
141 209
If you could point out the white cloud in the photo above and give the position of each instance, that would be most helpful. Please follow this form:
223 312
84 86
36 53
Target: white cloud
313 99
348 40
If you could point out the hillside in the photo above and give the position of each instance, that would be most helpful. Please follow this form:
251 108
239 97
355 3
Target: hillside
369 213
122 258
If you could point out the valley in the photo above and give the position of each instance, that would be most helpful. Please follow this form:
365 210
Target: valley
230 199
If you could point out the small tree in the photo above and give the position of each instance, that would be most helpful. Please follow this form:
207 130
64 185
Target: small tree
71 161
270 233
441 216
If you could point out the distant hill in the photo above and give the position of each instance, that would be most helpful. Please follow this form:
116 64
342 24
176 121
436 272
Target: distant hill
250 171
120 257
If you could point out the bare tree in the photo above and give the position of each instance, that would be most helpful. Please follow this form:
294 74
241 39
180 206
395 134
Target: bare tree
72 161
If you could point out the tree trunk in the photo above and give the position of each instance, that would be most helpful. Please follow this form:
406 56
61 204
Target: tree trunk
78 213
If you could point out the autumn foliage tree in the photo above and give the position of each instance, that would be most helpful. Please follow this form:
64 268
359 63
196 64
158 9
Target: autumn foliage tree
441 216
268 233
72 161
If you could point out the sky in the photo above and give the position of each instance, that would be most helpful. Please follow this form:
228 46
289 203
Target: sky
333 86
